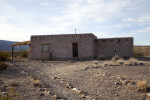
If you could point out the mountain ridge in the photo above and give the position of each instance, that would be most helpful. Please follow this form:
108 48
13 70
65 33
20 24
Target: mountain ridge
5 45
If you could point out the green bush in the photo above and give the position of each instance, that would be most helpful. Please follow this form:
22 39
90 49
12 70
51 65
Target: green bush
3 66
4 56
24 54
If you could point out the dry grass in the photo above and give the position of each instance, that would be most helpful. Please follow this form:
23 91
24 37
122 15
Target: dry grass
14 84
142 85
141 51
4 56
122 62
115 58
3 66
36 82
133 61
10 94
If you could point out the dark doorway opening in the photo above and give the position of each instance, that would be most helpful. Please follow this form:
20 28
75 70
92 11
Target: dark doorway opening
75 49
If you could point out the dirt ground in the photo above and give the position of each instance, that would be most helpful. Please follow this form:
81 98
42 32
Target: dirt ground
73 80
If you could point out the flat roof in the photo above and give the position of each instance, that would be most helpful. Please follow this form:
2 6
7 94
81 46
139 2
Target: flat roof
115 38
65 34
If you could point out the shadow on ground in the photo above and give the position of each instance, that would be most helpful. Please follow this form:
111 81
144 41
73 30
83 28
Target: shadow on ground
144 58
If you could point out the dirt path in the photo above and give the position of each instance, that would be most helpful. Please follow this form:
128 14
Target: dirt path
95 81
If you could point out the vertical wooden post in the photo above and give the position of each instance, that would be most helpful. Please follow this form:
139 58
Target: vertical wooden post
12 51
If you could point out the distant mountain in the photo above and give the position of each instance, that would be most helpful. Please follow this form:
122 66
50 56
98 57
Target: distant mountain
5 45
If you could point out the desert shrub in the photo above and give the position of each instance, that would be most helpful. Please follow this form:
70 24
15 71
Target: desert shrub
4 56
24 53
142 85
115 58
14 84
3 66
10 94
121 61
133 61
36 82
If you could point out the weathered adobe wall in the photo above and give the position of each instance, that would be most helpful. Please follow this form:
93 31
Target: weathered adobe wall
122 46
62 46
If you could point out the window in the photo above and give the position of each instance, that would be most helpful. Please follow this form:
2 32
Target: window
44 47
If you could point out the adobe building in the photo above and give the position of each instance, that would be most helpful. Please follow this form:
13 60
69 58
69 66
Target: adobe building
78 46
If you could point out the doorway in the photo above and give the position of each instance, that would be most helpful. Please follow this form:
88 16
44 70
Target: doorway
75 49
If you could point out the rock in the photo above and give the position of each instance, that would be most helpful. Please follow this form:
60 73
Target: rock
48 92
52 64
57 98
53 77
123 79
62 82
118 77
68 85
89 98
80 92
54 96
58 78
148 94
83 96
22 72
42 94
116 94
4 88
141 63
74 89
41 89
4 93
132 83
118 83
95 67
125 82
84 69
103 74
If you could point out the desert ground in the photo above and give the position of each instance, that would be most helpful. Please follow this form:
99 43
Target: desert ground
75 80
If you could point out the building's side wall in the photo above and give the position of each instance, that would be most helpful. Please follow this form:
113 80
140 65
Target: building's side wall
61 46
122 46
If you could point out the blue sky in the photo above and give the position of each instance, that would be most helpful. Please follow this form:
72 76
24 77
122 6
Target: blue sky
19 19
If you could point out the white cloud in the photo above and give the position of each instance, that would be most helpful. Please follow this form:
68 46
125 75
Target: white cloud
142 31
140 19
105 18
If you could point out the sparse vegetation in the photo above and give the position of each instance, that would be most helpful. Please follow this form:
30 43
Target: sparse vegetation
36 82
10 95
14 84
3 66
115 58
116 61
141 51
24 53
142 85
4 56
